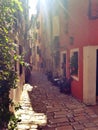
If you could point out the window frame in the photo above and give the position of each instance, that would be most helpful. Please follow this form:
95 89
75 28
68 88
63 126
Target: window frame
91 10
76 77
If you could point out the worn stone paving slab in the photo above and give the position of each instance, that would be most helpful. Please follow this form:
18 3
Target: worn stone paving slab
30 120
63 112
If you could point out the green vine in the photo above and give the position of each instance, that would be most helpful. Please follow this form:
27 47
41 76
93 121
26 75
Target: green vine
8 76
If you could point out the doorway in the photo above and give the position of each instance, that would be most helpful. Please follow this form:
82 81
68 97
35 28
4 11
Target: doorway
64 64
90 60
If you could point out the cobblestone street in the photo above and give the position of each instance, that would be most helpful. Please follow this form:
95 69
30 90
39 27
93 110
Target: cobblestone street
61 111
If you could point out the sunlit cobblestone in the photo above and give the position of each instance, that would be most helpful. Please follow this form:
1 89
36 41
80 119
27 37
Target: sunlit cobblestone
45 108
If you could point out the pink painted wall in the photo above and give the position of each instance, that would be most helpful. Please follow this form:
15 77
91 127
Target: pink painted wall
84 31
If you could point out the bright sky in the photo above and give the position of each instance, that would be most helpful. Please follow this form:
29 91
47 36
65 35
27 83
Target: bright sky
32 5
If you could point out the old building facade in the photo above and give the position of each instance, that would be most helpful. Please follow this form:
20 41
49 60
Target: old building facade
81 44
20 35
69 44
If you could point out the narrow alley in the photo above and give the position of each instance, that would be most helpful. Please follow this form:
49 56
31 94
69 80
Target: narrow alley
63 112
54 37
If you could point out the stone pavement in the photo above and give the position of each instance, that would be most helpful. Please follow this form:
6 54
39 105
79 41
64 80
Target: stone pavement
52 110
29 118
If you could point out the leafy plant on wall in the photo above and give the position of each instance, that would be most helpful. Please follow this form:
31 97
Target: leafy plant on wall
8 76
74 64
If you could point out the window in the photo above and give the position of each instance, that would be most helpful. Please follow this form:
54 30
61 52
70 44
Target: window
74 63
71 40
65 3
93 9
38 24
